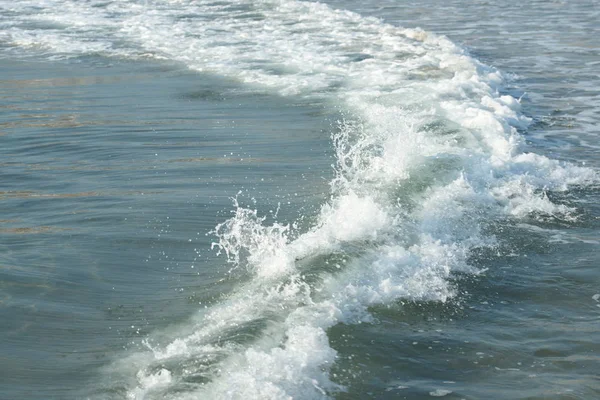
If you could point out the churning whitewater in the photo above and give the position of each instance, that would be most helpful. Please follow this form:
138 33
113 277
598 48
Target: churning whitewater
428 157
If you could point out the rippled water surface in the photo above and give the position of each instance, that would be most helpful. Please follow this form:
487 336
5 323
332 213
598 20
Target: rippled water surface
281 199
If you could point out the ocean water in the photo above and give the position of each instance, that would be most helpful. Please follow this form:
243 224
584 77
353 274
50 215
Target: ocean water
294 200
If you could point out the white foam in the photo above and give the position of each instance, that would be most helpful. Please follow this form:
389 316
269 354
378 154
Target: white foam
347 218
440 392
429 151
150 382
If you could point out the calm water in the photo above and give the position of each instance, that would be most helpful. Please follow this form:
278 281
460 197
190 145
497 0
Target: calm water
280 199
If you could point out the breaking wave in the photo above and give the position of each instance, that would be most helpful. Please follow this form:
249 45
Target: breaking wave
428 155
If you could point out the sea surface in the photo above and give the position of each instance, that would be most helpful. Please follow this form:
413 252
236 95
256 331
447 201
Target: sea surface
280 199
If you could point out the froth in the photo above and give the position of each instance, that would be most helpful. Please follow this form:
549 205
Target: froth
429 150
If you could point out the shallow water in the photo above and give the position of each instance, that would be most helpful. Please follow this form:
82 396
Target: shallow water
225 200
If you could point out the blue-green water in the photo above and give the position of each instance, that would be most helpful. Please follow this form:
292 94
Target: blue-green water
113 175
279 200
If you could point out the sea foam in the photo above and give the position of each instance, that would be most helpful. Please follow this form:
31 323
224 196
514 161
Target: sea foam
428 152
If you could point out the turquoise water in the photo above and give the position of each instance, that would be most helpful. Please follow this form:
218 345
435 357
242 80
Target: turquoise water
280 200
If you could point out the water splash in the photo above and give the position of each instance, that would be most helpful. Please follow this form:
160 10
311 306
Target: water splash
428 153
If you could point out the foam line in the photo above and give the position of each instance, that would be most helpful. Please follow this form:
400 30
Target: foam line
429 152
